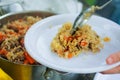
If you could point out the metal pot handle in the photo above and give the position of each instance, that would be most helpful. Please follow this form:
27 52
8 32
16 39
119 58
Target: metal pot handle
48 74
51 74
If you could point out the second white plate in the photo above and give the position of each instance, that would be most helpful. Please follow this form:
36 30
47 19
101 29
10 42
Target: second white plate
100 76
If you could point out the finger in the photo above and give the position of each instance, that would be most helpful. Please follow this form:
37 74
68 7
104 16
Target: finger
113 58
112 71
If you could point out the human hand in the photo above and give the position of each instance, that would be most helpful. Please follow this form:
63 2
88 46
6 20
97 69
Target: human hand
113 58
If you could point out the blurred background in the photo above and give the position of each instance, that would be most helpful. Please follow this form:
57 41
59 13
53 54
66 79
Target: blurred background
112 12
62 6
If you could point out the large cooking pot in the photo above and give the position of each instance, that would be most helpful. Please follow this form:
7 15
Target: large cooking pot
31 72
21 71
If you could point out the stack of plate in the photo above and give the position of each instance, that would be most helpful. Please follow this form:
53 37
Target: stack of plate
56 6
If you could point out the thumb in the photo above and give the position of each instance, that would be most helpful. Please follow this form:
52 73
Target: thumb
113 58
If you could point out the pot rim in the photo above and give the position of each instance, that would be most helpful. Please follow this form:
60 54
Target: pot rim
23 12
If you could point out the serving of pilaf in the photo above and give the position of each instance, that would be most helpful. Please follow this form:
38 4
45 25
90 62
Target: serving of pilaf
12 40
67 45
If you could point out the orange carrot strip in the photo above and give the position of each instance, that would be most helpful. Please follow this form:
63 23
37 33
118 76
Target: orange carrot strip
68 38
59 52
29 58
22 41
70 55
3 51
26 61
83 43
2 36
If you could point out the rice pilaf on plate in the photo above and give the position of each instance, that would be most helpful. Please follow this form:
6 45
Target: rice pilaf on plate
67 46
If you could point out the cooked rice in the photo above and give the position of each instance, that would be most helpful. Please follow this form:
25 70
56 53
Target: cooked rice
85 39
12 39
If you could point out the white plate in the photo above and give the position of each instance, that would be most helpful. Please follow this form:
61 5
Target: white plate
39 37
100 76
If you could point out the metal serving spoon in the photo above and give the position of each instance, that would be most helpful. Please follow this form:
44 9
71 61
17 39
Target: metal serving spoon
84 16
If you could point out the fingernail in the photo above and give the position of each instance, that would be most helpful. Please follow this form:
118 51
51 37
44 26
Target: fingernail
110 60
